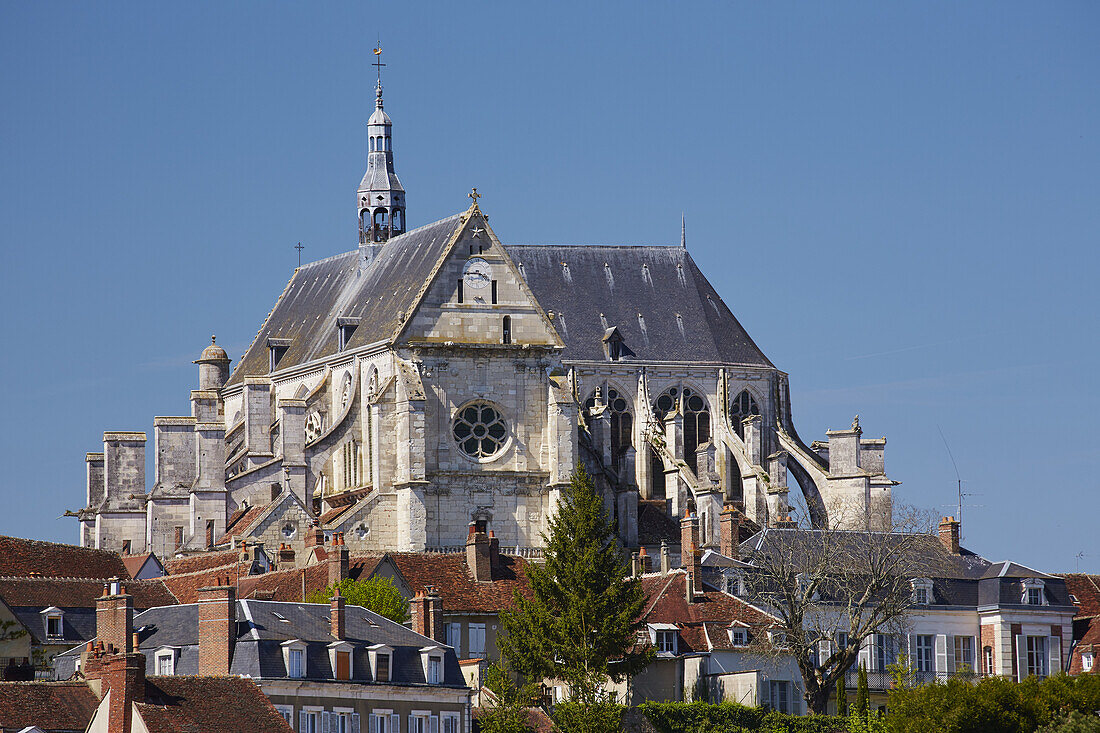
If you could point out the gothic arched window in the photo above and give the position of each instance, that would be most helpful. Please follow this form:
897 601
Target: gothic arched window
743 405
696 416
622 424
398 218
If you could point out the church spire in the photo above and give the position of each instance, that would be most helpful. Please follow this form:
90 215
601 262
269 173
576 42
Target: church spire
380 199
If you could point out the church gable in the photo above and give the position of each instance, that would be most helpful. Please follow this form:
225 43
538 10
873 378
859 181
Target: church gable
477 296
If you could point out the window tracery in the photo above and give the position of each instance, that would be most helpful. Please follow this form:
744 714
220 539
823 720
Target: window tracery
480 430
622 423
693 407
740 407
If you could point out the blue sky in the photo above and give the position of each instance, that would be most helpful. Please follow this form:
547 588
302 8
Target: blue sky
898 200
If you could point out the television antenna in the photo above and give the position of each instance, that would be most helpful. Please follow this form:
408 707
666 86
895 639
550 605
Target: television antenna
959 480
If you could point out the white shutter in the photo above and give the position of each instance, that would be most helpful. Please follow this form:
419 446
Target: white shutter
355 723
1021 657
951 661
1055 654
433 726
303 721
824 651
326 722
911 652
372 723
412 724
395 723
865 652
941 654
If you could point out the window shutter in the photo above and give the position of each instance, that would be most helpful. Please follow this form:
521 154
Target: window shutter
395 723
911 640
865 652
372 723
303 721
326 722
941 654
824 651
951 661
1055 654
1021 657
412 724
355 723
433 726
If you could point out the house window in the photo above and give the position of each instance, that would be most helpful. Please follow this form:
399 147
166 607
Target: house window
987 659
454 638
339 721
450 722
166 663
345 332
287 711
1034 596
842 640
920 596
778 638
296 667
924 659
964 653
477 641
435 670
1086 662
126 547
343 665
779 696
385 722
886 651
739 637
383 672
1036 656
666 641
308 721
506 337
420 723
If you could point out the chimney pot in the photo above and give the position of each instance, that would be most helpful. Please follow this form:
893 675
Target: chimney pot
337 615
124 676
949 534
478 559
217 629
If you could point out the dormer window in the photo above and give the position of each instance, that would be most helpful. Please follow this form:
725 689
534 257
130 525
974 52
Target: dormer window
276 350
1086 662
1033 592
54 619
739 634
380 657
922 591
165 661
294 657
778 638
432 659
340 657
663 637
345 327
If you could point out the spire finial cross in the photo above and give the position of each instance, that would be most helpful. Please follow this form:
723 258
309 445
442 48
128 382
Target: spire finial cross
299 247
474 195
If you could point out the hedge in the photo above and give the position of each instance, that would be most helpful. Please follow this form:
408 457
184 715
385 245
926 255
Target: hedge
729 717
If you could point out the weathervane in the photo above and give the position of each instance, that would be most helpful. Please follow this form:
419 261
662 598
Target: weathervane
378 64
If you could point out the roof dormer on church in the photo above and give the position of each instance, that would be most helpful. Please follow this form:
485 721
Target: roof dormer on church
380 198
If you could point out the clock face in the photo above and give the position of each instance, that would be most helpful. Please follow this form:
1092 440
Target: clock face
477 273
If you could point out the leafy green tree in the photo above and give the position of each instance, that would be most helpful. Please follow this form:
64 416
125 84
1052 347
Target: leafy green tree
841 697
377 594
582 622
1075 722
507 710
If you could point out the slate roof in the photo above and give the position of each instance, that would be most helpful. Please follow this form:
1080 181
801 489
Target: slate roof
654 523
657 298
22 557
625 282
76 597
262 626
52 706
224 704
459 591
134 563
321 291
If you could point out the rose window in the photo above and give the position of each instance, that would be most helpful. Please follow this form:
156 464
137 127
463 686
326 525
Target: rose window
479 430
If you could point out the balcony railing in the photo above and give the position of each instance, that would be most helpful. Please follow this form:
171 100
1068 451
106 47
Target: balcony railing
884 681
528 553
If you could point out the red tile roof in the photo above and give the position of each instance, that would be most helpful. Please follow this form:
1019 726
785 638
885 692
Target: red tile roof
201 561
185 586
668 604
52 706
21 557
334 513
1090 642
241 520
460 592
78 592
134 563
189 704
1087 590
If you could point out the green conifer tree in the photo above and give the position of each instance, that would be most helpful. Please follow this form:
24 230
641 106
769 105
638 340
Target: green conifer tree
841 697
863 700
581 622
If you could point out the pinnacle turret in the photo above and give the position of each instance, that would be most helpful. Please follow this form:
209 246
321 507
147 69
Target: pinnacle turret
380 199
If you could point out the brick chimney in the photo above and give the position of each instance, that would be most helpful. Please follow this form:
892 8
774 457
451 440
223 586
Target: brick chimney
217 629
338 560
644 560
336 615
314 536
418 609
729 532
494 550
114 618
123 675
477 555
435 616
286 556
689 538
949 534
695 569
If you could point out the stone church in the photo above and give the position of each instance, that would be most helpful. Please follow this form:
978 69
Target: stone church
437 379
